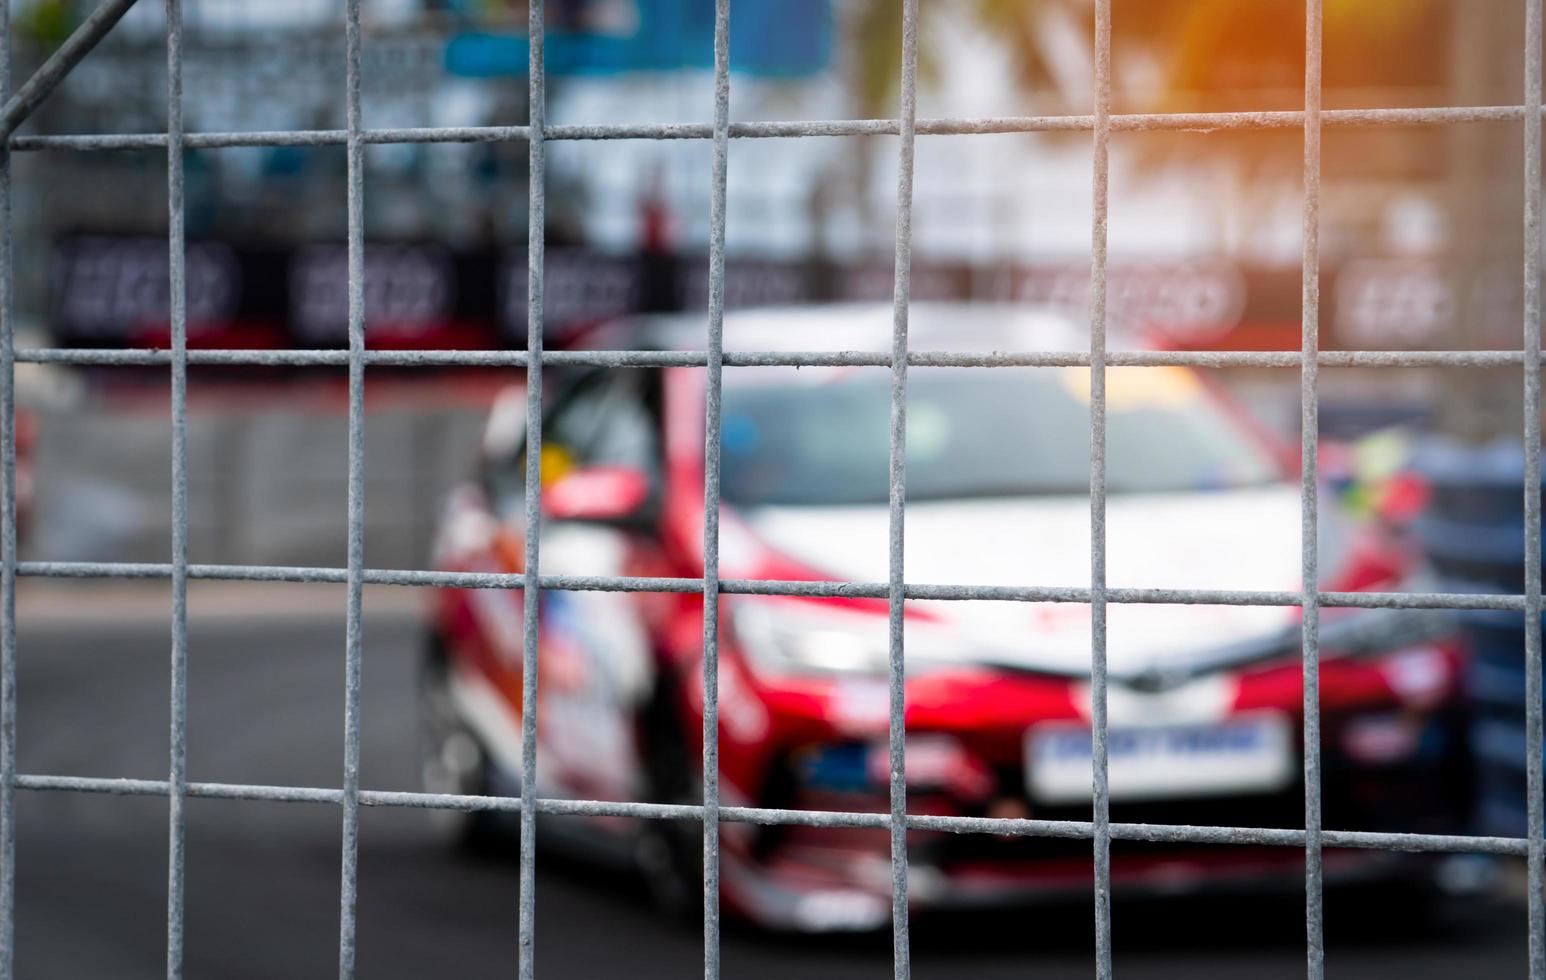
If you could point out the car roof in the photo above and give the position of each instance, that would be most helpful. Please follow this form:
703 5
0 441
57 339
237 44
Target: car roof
959 327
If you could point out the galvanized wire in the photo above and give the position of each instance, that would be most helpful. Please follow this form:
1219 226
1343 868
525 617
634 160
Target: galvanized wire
7 542
536 241
783 587
147 357
1199 122
1100 731
1535 744
178 312
896 499
354 580
53 71
711 458
765 816
1309 432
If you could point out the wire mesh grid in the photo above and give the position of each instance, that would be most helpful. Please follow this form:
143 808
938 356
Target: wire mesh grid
1099 830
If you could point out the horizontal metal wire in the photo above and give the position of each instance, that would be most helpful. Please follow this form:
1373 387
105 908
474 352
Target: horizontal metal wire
129 357
1002 826
1128 122
773 587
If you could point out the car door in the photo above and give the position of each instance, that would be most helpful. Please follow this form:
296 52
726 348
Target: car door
595 659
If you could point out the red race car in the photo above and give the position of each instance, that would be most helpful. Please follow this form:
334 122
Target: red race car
1205 701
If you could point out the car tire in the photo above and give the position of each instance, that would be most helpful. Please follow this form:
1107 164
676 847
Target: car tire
452 759
669 853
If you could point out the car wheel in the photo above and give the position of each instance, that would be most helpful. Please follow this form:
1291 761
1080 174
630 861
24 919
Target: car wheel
452 760
669 853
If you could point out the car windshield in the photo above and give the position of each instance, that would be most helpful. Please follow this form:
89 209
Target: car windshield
819 437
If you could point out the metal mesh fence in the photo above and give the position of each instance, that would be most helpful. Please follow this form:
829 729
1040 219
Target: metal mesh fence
1099 830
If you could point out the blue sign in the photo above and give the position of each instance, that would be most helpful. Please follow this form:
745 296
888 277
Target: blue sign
779 38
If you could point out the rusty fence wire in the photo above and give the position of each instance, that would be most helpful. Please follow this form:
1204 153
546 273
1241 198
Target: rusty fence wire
1099 829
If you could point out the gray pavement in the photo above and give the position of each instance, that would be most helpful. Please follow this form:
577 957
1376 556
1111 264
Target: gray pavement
265 688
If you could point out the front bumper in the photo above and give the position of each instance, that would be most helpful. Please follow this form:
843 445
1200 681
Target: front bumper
839 879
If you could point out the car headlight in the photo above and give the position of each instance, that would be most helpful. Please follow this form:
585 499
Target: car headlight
1357 632
804 637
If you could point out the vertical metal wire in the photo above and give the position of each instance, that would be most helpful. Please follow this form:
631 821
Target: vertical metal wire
7 540
535 230
1532 488
356 506
1309 353
897 494
711 447
1100 190
177 311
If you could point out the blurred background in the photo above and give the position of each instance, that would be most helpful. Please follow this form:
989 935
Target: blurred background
1421 250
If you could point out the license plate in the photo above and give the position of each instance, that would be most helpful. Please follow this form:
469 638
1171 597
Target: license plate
1250 754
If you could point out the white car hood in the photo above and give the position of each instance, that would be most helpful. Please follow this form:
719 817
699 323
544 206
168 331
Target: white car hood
1239 539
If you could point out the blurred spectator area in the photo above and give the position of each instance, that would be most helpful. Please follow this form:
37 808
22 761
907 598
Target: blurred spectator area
1205 227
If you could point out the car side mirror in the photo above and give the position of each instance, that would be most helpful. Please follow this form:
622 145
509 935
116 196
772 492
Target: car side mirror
599 494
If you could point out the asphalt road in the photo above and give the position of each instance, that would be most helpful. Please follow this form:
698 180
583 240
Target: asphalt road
265 701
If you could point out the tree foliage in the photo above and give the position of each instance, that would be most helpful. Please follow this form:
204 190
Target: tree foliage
1223 53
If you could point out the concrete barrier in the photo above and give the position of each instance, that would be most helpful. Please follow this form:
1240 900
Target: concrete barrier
266 485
